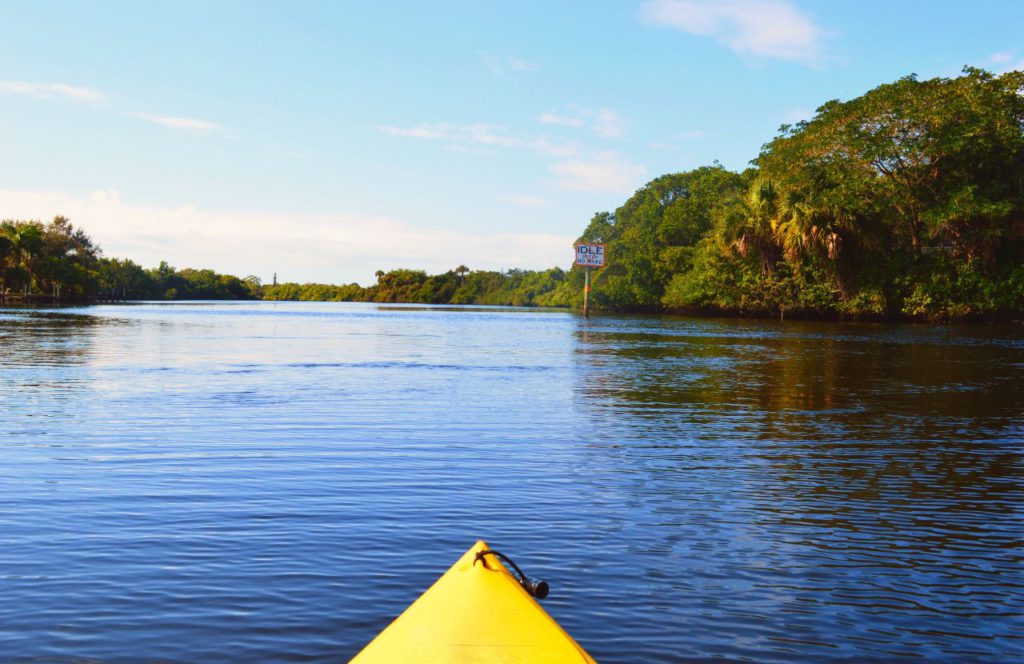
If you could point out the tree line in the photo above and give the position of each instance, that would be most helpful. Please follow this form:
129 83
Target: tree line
57 260
457 286
905 202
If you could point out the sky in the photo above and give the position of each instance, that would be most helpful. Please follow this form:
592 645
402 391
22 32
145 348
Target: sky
323 141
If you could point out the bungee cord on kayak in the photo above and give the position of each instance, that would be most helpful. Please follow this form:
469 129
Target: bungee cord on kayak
535 587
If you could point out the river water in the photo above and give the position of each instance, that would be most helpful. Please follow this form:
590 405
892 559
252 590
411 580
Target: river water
277 481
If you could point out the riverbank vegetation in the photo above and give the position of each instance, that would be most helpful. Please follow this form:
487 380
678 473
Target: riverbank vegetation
44 262
57 260
904 203
457 286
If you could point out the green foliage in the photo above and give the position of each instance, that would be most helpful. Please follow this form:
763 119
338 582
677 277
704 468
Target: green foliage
651 237
124 279
458 286
905 202
47 258
312 292
35 258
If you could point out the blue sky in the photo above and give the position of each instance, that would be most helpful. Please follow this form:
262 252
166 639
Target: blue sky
326 140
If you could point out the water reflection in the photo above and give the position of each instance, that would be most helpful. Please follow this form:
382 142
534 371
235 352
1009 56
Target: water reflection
32 338
829 489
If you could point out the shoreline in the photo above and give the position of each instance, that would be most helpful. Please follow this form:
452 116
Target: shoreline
49 302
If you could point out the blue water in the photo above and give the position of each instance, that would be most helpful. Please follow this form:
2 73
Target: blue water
277 481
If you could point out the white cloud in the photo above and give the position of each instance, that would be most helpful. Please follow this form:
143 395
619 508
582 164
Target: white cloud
693 134
53 90
332 248
767 28
482 134
579 168
607 124
602 172
465 149
1007 62
498 65
95 97
602 122
520 200
419 131
189 124
561 120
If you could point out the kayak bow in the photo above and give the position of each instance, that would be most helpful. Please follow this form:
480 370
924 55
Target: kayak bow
476 612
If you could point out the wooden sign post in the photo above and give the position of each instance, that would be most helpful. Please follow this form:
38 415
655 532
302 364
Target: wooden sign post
588 256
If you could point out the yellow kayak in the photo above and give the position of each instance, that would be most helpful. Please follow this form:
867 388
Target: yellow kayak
476 612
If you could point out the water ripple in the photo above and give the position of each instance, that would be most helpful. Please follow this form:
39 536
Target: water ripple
277 481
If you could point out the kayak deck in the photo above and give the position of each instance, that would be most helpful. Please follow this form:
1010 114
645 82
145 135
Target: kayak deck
476 612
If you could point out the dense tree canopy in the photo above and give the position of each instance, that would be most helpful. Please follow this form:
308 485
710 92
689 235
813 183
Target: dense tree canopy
37 257
905 202
652 236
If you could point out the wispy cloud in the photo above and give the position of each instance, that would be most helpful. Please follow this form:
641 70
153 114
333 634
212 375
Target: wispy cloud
602 122
482 134
465 149
764 28
520 200
94 97
577 166
552 118
602 172
329 247
693 134
53 90
1006 61
500 65
608 124
188 124
419 131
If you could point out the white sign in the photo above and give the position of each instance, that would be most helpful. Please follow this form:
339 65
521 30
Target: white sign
590 255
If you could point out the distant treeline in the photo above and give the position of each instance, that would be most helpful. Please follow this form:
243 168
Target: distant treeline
457 286
40 260
904 203
56 259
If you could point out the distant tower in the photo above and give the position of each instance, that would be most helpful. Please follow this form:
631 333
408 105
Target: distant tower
275 278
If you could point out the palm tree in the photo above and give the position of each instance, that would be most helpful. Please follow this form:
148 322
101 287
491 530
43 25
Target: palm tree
25 241
6 249
746 224
807 223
